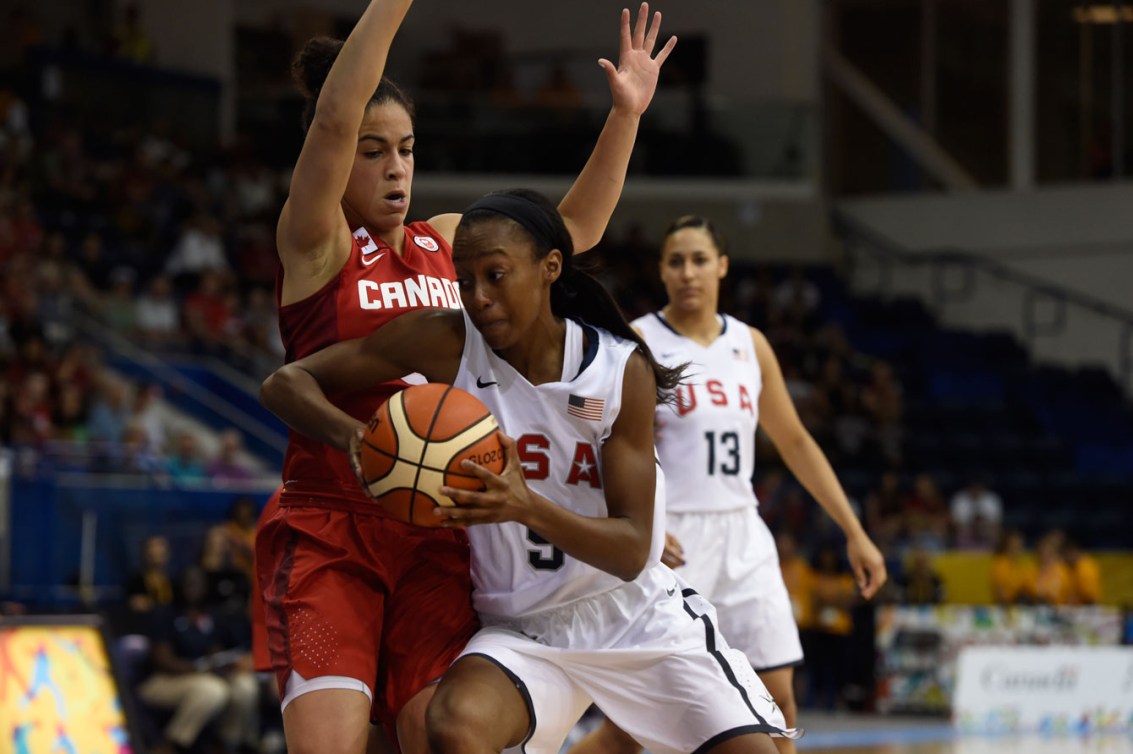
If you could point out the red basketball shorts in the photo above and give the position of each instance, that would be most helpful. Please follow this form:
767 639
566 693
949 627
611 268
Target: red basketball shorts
366 597
261 657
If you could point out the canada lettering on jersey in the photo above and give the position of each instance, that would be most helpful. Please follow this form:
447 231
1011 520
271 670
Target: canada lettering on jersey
420 291
716 394
535 456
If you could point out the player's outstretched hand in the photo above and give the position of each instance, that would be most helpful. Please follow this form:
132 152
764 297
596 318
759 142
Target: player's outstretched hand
634 80
505 496
868 565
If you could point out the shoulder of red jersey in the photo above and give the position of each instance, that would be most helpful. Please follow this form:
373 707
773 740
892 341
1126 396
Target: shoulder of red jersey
425 236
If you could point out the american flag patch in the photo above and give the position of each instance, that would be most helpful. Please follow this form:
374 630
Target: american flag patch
585 408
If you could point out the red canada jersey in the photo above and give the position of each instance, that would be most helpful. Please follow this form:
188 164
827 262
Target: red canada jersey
373 287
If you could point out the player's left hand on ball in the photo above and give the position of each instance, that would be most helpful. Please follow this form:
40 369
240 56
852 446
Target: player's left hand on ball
505 496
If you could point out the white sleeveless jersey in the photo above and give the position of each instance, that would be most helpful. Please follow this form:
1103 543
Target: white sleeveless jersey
707 441
559 429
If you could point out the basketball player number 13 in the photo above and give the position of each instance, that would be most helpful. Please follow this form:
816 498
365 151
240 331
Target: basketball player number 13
729 455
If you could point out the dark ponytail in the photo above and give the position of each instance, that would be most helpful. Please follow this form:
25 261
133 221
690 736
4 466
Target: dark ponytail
576 294
311 66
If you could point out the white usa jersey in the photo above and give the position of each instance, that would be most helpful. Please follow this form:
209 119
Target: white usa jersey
559 429
707 441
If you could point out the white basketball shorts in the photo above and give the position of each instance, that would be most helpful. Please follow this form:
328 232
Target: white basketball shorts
731 560
648 653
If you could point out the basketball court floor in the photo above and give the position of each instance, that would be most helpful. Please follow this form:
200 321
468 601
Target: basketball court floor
881 734
876 734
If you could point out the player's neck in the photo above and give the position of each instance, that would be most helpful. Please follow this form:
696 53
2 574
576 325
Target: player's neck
701 325
539 356
395 239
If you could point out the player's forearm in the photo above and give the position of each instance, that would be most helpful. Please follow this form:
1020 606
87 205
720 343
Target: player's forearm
358 69
295 397
590 203
615 545
809 465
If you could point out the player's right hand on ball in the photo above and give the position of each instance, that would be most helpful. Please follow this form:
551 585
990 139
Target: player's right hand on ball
505 497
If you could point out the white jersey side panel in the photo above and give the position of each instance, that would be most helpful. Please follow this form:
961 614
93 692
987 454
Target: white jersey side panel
559 429
707 441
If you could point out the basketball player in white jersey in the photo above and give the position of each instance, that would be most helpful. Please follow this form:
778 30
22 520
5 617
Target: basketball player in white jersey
706 442
566 541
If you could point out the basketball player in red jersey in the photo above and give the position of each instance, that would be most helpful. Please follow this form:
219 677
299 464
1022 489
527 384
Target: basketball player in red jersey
363 612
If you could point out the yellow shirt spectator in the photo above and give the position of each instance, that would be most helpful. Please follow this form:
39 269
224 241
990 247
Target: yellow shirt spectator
1012 574
799 578
1085 577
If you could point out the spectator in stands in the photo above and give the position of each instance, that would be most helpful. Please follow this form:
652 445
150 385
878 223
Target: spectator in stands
110 409
32 410
137 455
240 530
200 249
228 588
926 515
209 311
918 582
159 320
1085 574
228 464
202 670
1012 573
185 464
799 579
834 593
796 292
885 404
1053 585
885 512
150 586
70 414
976 516
130 40
150 416
118 306
92 262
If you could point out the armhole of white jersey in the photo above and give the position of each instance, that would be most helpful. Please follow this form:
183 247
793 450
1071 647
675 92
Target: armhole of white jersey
619 385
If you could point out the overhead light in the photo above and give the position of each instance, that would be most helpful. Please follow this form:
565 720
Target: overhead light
1103 14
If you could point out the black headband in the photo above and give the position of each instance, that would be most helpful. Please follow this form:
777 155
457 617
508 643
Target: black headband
524 211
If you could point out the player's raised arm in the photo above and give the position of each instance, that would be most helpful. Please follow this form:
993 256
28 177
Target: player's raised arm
590 203
428 341
312 231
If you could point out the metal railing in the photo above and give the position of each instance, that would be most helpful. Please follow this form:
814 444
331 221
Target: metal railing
967 290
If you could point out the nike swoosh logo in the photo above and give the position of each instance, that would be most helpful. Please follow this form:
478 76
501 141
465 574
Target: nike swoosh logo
671 592
369 261
481 384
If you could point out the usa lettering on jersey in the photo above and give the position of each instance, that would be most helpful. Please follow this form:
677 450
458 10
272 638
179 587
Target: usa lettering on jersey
420 291
535 456
716 394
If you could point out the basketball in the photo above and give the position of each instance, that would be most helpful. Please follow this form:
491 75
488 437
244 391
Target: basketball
414 445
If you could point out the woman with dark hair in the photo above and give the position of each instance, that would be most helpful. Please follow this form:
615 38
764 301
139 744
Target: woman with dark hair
363 612
716 539
576 607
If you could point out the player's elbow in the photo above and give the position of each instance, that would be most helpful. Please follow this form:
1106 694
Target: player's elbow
274 389
633 561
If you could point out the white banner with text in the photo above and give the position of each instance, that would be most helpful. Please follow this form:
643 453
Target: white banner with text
1044 689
